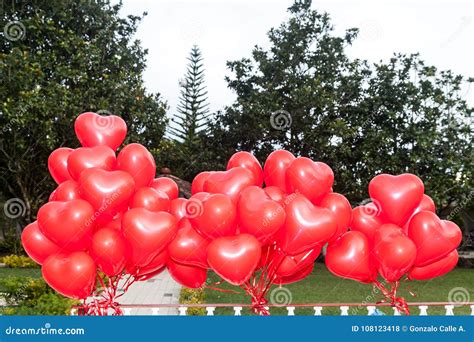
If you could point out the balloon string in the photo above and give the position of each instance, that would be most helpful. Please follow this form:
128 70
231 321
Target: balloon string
108 294
391 296
409 288
257 290
220 289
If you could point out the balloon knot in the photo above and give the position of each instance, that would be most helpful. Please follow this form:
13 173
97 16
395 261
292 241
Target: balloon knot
258 306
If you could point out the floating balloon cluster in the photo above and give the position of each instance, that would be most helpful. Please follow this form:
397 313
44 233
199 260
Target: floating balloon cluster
108 213
254 237
397 235
110 221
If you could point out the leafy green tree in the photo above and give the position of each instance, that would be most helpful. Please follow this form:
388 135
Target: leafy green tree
183 151
304 94
193 107
59 59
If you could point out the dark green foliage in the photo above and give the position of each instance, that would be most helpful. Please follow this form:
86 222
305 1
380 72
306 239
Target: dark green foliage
304 94
74 56
11 243
28 296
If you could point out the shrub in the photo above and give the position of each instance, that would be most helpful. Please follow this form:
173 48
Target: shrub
11 243
19 261
30 296
193 296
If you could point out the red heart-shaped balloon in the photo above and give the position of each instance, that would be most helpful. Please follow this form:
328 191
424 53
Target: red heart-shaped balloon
435 269
434 239
186 275
116 223
306 226
198 182
342 210
107 191
276 194
312 179
274 170
68 224
259 215
100 130
268 252
110 251
230 182
147 276
101 157
292 264
166 185
200 196
148 233
188 247
36 245
151 199
426 204
295 277
365 219
178 208
213 217
234 258
51 196
349 257
397 196
139 163
72 275
57 164
66 191
248 161
155 265
394 252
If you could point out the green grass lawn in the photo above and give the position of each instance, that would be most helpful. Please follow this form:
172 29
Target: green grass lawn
323 287
6 272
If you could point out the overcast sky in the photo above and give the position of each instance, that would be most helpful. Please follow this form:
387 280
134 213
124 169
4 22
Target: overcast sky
441 31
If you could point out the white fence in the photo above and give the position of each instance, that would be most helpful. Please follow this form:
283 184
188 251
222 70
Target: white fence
318 309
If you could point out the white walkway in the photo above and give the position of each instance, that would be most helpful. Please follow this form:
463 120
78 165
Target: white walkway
161 289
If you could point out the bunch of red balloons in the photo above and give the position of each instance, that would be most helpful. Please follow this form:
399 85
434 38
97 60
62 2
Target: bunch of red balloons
110 220
254 236
107 214
397 235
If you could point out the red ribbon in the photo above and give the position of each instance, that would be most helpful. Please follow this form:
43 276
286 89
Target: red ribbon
108 300
259 284
391 297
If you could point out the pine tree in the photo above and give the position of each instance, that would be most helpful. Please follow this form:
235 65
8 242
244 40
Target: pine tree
193 108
